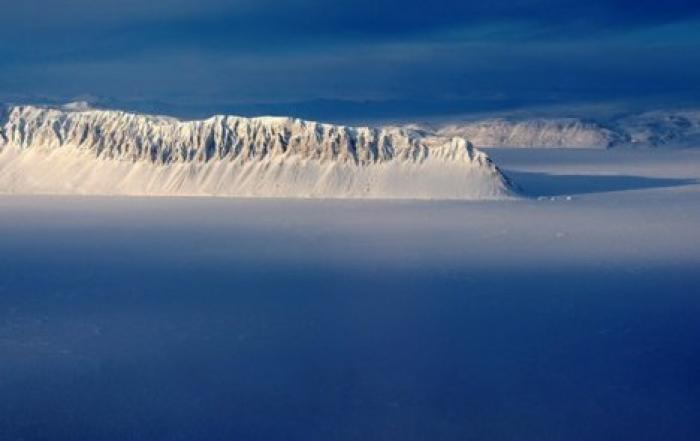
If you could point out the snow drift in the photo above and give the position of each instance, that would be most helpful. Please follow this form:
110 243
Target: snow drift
76 150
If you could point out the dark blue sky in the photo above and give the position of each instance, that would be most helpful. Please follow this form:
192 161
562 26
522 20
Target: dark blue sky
360 58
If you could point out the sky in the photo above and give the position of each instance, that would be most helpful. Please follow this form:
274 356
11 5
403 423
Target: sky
345 59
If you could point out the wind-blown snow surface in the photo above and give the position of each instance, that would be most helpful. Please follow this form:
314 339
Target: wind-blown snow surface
75 150
167 319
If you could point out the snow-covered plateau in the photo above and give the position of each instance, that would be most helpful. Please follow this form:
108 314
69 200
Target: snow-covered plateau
77 150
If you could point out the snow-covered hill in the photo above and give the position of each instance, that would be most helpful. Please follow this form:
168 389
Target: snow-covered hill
663 128
78 150
568 132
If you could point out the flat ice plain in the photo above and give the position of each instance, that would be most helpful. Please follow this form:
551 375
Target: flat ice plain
572 316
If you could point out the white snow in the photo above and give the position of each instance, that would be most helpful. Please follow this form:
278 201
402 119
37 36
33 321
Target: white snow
77 105
75 150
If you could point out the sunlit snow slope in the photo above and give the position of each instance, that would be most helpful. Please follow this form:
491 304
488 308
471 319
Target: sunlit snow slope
76 150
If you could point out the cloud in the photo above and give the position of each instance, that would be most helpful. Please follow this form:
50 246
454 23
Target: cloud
339 19
277 51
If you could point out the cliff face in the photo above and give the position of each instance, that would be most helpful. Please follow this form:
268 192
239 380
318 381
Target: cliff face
51 150
121 135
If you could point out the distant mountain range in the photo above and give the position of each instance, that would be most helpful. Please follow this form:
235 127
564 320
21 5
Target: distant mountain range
650 129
